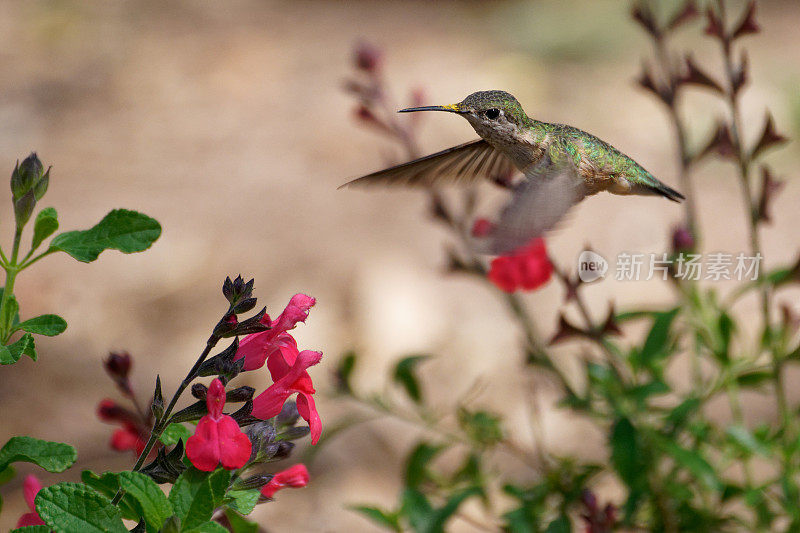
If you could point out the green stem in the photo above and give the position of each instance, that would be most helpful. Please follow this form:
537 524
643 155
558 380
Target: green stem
12 270
160 425
25 264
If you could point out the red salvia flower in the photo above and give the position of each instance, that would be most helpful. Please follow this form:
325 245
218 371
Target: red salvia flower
218 438
290 376
258 347
132 435
295 477
30 488
527 268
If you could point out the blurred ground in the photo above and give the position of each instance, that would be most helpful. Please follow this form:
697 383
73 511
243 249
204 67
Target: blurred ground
227 123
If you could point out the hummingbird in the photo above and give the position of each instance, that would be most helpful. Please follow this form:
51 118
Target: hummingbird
561 165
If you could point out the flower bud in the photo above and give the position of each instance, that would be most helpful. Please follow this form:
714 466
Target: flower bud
23 208
368 57
26 176
682 239
118 366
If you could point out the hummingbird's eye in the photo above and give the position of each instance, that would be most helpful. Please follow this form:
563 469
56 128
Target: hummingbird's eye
492 113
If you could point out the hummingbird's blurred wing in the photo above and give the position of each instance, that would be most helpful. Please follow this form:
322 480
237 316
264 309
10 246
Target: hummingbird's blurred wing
537 204
463 165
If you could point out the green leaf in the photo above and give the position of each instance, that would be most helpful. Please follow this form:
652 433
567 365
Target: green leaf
207 527
154 502
50 325
123 230
196 494
383 518
242 501
7 474
681 412
71 507
742 436
754 378
52 456
481 427
31 529
656 343
107 484
626 453
559 525
240 524
174 433
693 462
24 346
417 464
418 510
404 374
9 314
46 224
344 372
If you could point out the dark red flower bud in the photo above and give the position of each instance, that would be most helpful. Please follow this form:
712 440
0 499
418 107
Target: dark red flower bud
682 239
111 411
368 57
118 365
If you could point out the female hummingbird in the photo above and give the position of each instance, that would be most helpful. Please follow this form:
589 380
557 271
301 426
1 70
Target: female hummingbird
561 164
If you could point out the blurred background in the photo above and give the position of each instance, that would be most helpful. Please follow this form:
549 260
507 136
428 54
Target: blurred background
227 122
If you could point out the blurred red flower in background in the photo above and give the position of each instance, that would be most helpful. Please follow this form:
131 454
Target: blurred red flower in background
30 488
526 268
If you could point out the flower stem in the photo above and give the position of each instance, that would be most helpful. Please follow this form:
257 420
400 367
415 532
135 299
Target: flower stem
160 425
12 270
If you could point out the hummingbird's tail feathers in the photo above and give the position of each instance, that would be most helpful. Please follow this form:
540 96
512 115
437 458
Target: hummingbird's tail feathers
667 192
464 164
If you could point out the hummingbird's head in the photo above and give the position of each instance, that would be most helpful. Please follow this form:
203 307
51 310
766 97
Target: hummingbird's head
495 115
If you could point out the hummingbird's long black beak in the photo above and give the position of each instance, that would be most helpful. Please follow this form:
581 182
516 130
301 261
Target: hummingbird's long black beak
450 108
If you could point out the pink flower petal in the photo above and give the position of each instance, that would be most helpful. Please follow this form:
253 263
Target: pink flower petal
308 410
215 399
295 476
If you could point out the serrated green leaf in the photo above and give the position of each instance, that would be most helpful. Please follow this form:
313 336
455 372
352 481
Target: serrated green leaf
121 229
49 325
154 502
13 352
52 456
45 225
405 375
174 433
242 501
196 494
107 484
71 507
207 527
240 524
31 529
